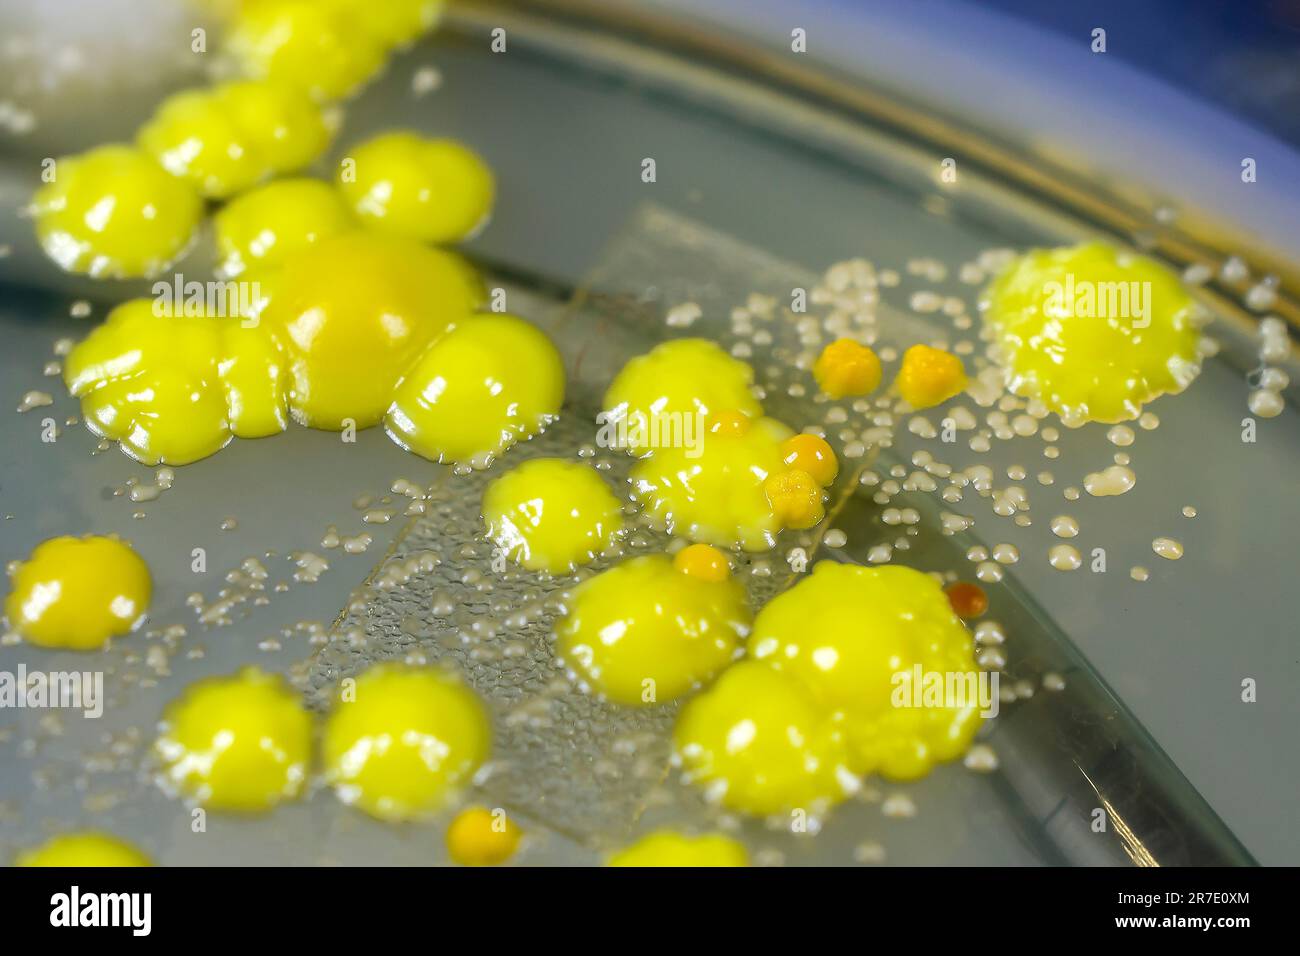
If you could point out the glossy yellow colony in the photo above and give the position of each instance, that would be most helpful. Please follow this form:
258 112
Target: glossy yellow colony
319 47
230 137
1092 332
239 743
929 377
652 628
663 398
854 637
88 849
433 190
759 742
76 593
670 848
402 739
393 22
264 227
482 837
845 368
174 389
735 487
811 454
356 313
551 515
114 213
490 382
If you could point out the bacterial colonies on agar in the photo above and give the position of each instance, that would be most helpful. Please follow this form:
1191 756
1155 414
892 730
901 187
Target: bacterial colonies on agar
787 705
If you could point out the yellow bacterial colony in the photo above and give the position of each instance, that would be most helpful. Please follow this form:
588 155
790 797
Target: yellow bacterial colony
241 743
231 137
846 368
734 488
76 593
482 837
929 377
650 629
264 227
490 382
114 213
320 48
551 515
827 693
1091 332
854 636
663 398
757 741
403 739
83 850
433 190
669 848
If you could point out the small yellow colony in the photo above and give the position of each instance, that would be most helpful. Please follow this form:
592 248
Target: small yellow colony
825 694
83 850
1091 332
76 593
740 485
812 455
488 383
847 368
114 213
929 377
433 190
662 398
230 137
652 628
482 837
262 228
551 515
240 743
403 739
670 848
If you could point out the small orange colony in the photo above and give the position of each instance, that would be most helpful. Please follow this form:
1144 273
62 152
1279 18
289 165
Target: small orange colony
927 376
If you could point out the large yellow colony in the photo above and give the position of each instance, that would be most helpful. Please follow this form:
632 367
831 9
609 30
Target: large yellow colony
825 693
1091 332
